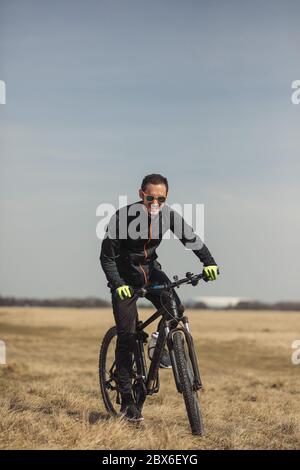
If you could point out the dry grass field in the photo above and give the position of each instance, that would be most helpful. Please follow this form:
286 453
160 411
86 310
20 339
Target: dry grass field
49 393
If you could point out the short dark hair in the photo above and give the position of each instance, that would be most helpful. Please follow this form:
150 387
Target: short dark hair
154 178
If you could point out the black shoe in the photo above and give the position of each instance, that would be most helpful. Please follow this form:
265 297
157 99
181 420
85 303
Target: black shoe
165 361
131 412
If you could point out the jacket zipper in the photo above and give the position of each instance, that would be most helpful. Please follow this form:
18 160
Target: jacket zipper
145 275
146 254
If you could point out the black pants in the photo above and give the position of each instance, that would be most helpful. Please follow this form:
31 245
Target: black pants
125 313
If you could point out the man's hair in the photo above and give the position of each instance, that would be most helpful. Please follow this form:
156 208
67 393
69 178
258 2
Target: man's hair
154 178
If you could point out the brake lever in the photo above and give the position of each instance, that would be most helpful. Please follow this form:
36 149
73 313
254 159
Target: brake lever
139 292
142 292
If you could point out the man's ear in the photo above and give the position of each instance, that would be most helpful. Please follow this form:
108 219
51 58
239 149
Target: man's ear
141 194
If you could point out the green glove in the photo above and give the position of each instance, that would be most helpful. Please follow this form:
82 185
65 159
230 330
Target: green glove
124 291
211 272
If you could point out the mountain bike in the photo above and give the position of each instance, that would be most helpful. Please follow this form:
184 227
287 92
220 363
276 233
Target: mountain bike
174 332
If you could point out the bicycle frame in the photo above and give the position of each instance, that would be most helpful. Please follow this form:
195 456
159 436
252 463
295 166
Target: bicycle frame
170 324
173 332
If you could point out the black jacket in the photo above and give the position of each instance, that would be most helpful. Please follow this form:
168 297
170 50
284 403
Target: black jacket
128 252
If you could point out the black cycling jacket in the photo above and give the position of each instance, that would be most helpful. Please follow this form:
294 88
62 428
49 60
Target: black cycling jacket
128 252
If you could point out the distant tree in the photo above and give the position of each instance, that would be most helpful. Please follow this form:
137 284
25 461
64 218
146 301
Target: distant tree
284 305
89 302
252 305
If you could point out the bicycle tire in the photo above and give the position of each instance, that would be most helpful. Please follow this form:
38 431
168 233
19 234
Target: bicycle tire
190 395
111 333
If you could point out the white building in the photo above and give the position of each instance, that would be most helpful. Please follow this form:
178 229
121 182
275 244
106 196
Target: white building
217 302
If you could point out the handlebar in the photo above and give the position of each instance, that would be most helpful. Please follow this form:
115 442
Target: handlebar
189 279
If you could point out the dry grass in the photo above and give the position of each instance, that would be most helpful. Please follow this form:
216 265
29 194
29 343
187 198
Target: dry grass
50 395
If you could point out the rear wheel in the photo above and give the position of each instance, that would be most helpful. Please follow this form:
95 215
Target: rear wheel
107 372
186 377
108 375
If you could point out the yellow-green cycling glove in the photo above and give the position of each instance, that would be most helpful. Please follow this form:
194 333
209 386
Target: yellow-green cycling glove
124 292
211 272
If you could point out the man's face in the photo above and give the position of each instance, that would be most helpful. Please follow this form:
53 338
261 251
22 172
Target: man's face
156 191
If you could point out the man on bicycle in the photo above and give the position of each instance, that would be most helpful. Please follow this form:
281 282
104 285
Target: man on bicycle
128 258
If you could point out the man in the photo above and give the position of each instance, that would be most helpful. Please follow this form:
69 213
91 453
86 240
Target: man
128 258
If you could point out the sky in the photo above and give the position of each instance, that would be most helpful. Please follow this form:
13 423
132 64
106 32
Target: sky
101 93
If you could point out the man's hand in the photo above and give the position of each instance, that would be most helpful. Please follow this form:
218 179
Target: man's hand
124 292
211 272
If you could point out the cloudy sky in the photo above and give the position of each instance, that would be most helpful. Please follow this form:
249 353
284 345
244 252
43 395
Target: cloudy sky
100 93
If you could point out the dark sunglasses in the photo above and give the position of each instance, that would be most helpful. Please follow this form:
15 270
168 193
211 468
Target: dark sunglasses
160 199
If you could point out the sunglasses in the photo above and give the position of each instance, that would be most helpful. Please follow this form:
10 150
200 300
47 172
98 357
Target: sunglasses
160 199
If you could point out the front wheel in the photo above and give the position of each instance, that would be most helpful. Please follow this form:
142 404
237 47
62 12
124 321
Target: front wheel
186 377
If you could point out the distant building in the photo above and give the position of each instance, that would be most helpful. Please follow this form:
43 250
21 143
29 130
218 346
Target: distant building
203 302
216 302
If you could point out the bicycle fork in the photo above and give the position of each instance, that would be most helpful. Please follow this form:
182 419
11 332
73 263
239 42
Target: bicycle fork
184 330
